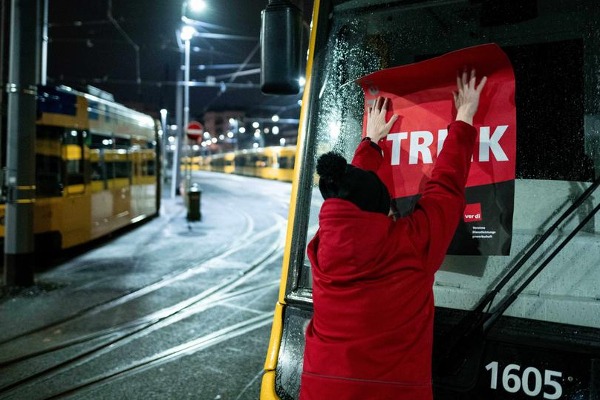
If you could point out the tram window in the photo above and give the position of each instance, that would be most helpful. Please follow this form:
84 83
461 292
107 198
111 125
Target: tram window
73 144
97 171
53 133
72 136
48 176
149 168
110 170
122 143
122 169
555 56
73 167
101 142
142 144
48 161
240 161
74 172
262 161
286 162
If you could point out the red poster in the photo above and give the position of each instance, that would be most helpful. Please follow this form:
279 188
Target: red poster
421 94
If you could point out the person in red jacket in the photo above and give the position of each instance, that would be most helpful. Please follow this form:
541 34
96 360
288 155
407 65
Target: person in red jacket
371 334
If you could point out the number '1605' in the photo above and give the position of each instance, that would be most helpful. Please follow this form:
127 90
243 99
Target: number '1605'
529 380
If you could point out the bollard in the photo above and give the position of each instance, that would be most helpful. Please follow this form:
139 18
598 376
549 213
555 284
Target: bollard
194 197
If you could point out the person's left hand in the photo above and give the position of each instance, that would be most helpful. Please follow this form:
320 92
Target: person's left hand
377 127
466 98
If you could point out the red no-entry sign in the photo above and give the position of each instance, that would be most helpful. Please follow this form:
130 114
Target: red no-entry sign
194 130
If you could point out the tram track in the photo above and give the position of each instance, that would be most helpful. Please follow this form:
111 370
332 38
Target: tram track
110 339
173 353
274 249
164 356
186 273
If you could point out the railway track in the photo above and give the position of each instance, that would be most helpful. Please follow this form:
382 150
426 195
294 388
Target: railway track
99 343
110 341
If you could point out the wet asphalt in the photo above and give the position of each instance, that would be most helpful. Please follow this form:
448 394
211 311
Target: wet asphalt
171 309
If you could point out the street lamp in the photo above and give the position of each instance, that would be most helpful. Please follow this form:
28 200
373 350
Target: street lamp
187 33
163 143
191 10
190 13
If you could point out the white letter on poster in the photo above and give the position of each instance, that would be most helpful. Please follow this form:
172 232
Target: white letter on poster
419 143
486 143
396 139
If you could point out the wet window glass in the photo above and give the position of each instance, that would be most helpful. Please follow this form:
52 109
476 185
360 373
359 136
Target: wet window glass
554 47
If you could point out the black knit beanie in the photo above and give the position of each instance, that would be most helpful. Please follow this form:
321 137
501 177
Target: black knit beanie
341 180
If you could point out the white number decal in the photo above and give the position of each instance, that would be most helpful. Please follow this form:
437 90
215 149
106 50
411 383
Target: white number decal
548 375
537 381
494 367
510 381
530 381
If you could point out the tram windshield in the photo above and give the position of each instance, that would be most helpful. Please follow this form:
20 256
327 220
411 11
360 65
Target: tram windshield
554 47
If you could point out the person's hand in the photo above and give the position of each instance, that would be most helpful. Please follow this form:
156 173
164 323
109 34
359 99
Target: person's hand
377 128
466 99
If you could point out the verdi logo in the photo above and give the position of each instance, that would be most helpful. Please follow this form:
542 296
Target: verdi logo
473 213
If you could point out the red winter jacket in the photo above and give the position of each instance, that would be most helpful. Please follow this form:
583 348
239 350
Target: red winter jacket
371 333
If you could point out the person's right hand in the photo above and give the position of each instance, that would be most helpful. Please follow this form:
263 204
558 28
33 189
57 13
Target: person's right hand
466 99
377 127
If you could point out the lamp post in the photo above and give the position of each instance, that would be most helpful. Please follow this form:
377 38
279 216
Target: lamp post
186 35
189 13
163 145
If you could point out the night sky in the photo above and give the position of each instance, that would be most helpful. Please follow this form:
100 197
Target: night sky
87 46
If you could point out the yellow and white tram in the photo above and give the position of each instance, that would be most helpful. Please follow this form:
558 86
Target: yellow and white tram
96 168
271 162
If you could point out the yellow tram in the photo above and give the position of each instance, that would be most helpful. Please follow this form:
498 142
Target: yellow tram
531 319
96 168
271 162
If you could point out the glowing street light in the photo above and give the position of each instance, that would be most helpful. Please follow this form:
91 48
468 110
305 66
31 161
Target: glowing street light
187 33
192 10
197 5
